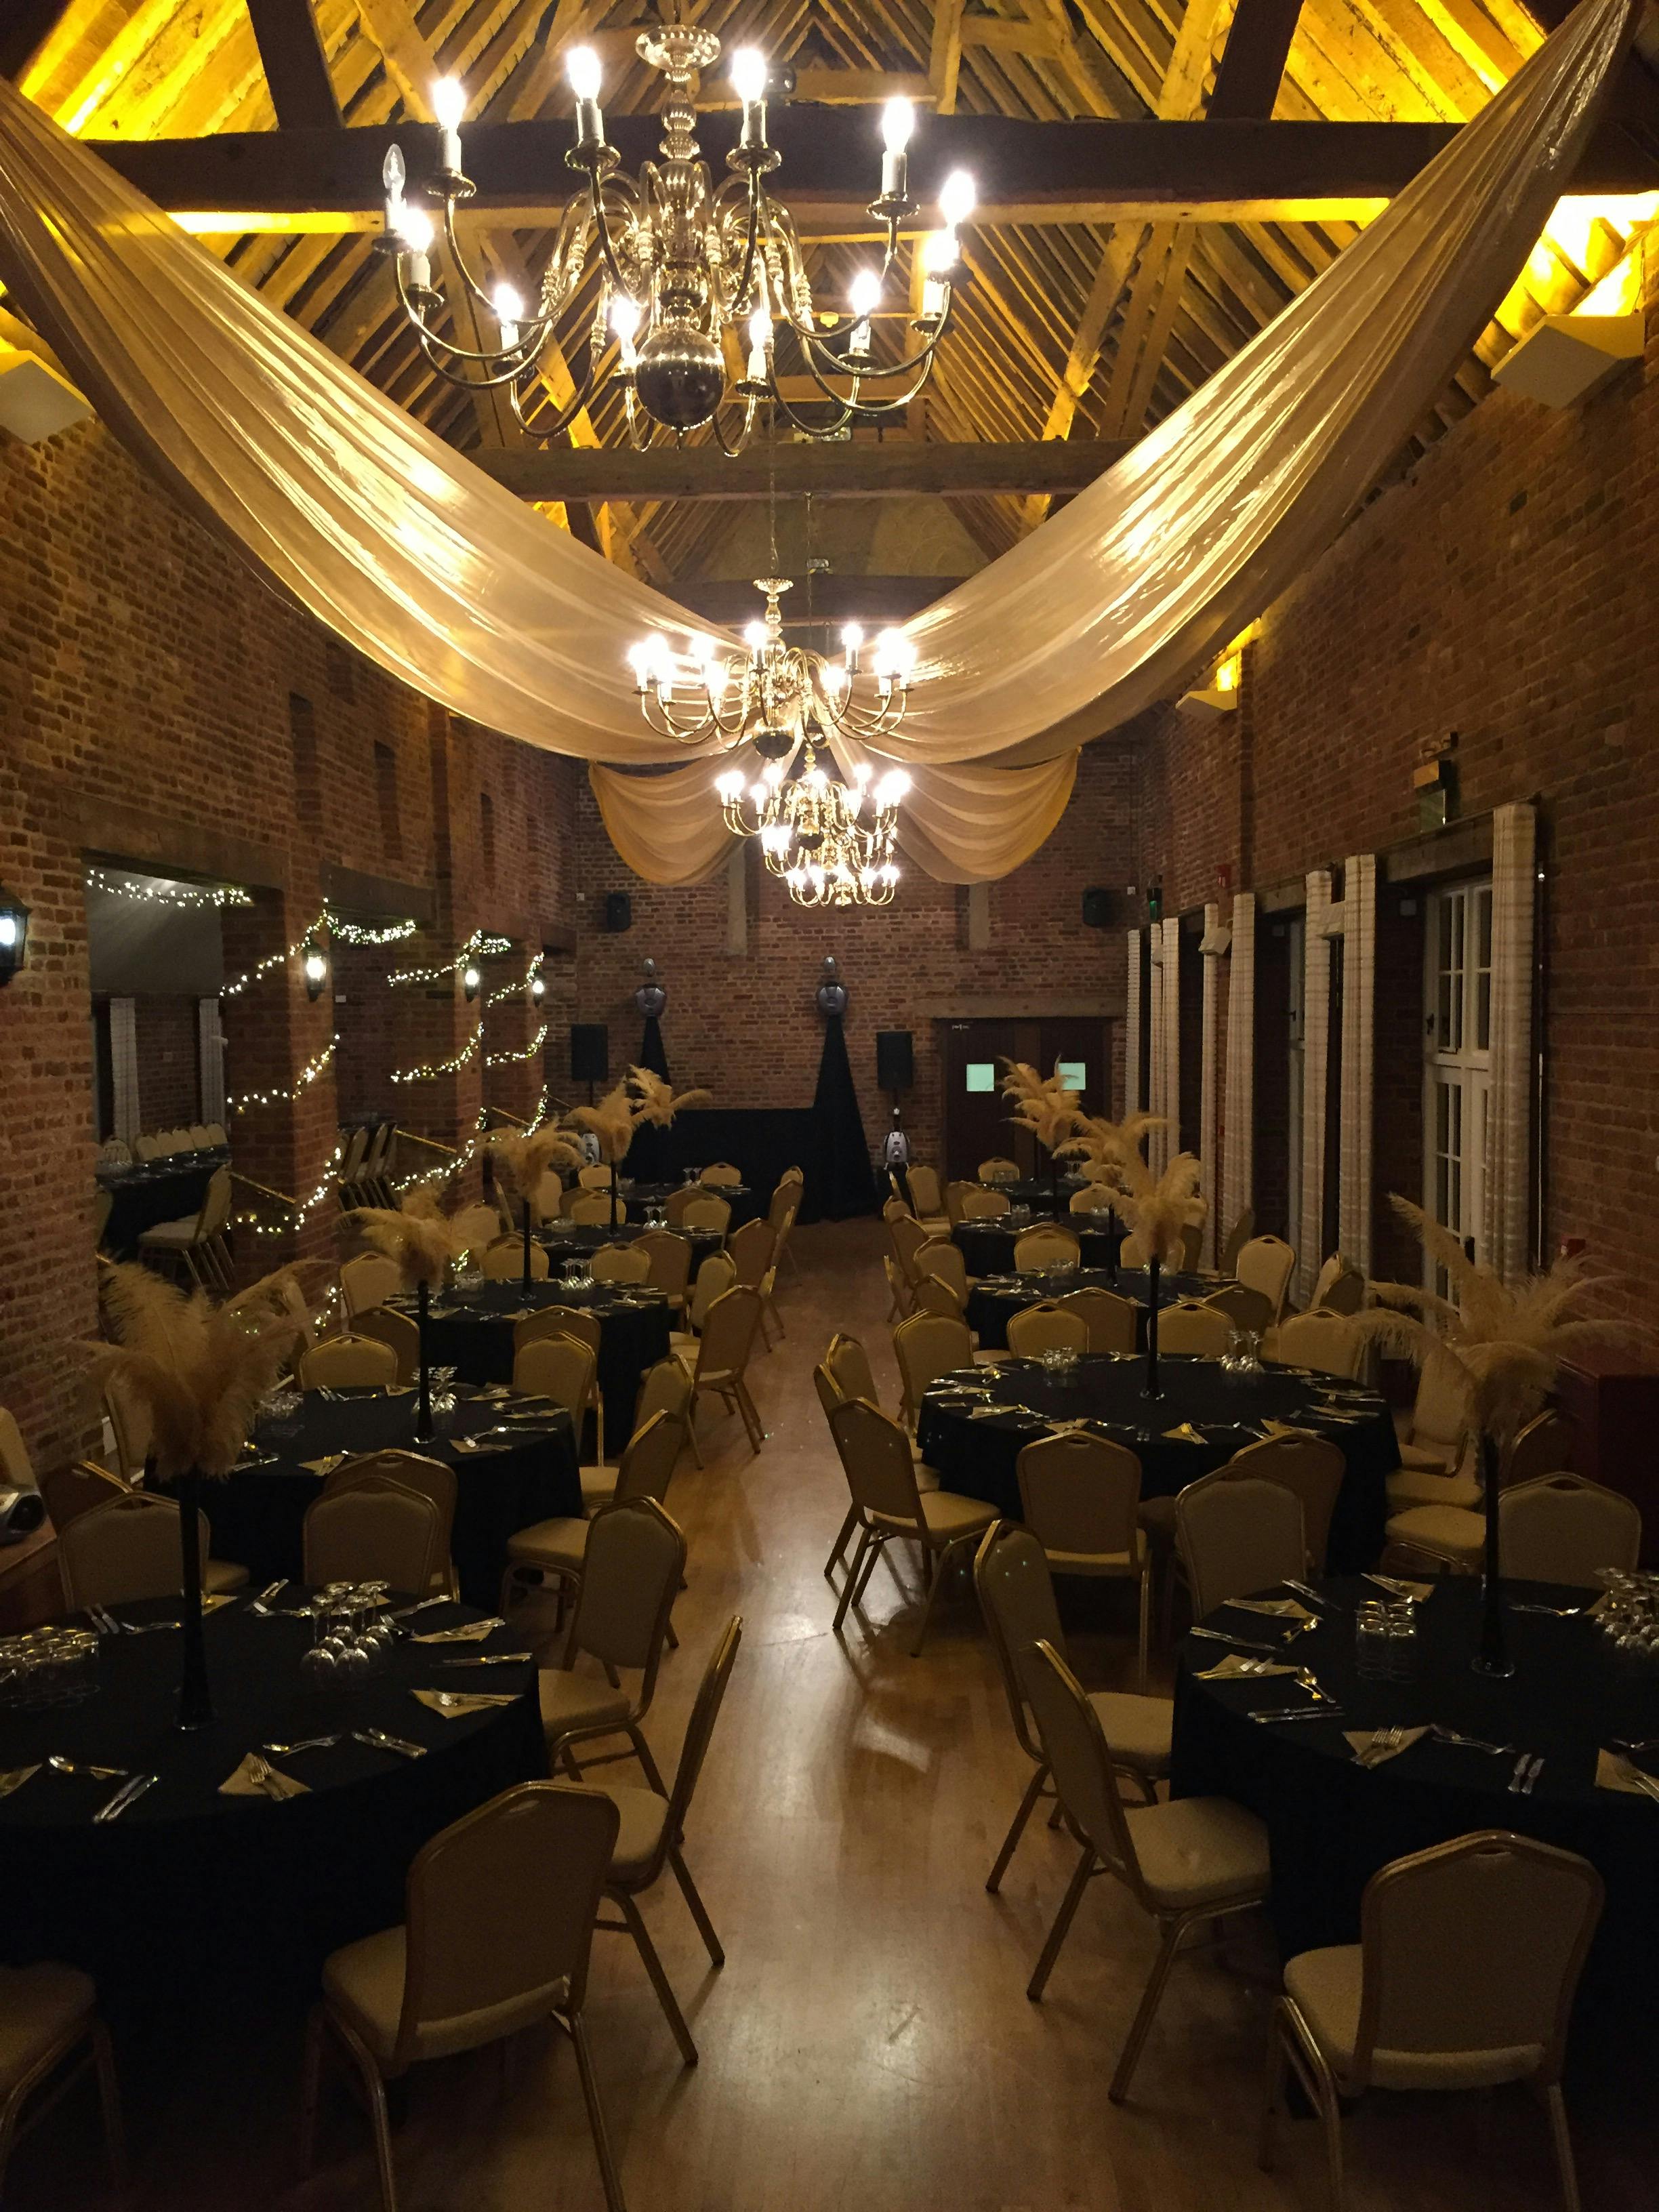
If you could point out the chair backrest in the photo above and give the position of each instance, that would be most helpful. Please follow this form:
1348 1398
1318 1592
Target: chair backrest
1108 1319
1543 1446
15 1465
875 1454
999 1169
356 1146
1245 1308
1313 1467
924 1193
215 1216
939 1256
728 1333
1560 1529
933 1294
547 1203
1266 1264
1093 1198
345 1362
368 1280
1327 1341
909 1236
707 1212
667 1258
849 1364
955 1193
1047 1245
981 1205
1079 1493
1016 1594
1079 1758
1440 1411
433 1478
557 1367
664 1389
500 1915
198 1137
631 1571
1237 1237
129 1418
588 1206
722 1175
785 1199
557 1321
1340 1288
1237 1534
1037 1329
926 1344
699 1733
124 1550
375 1529
216 1134
717 1276
145 1148
903 1290
1203 1332
503 1262
476 1229
897 1208
828 1391
1476 1947
751 1248
398 1331
621 1263
649 1457
69 1492
1192 1244
596 1175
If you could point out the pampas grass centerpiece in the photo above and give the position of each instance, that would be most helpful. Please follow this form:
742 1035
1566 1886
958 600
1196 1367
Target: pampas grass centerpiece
1044 1106
610 1123
1158 1209
199 1371
521 1158
424 1241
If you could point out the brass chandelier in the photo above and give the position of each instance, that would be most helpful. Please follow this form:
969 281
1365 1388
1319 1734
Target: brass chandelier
682 262
831 843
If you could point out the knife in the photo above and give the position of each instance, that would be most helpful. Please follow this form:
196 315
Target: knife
128 1795
1240 1643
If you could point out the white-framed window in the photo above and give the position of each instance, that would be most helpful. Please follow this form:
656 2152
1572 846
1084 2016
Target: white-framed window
1457 1062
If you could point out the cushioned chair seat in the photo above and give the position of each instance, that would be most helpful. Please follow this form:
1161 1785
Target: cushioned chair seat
682 1341
598 1486
221 1575
1447 1530
1101 1563
1156 1515
364 1983
1195 1849
936 1224
577 1701
559 1545
947 1514
39 2006
1137 1729
1324 1986
1415 1486
641 1832
170 1233
1428 1459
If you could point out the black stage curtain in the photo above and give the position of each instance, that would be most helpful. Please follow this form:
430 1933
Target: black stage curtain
648 1159
845 1184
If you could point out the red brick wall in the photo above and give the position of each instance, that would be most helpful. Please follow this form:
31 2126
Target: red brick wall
169 1087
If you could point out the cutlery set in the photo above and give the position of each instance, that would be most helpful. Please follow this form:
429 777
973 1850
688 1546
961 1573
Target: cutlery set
1528 1768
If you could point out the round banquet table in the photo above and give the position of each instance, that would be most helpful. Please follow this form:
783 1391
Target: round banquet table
191 1884
471 1327
746 1205
562 1239
146 1195
988 1246
1332 1823
1201 1418
514 1461
995 1298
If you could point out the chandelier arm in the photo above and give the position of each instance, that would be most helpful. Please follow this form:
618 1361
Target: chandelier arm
745 276
813 345
729 449
602 226
809 429
564 417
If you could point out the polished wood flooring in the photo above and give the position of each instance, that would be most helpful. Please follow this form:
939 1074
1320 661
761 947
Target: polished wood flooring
869 2043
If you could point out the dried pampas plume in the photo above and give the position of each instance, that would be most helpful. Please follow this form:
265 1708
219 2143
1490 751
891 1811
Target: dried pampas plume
655 1099
1042 1103
421 1238
1503 1346
1108 1146
198 1370
611 1121
522 1158
1158 1207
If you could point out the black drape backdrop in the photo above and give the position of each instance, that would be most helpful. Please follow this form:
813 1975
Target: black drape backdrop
845 1184
648 1159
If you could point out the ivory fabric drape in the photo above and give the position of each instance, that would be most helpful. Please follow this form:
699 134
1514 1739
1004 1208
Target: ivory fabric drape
405 550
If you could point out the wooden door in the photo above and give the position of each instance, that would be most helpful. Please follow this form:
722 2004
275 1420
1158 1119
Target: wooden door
976 1125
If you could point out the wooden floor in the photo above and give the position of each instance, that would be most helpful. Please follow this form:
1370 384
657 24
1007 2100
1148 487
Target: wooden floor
869 2043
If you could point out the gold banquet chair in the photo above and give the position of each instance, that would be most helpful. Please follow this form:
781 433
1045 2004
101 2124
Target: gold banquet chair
1184 1861
1080 1495
433 1478
368 1280
503 1261
51 2015
1199 1331
620 1263
668 1264
546 1325
1109 1321
1313 1467
721 1359
1325 1341
558 1546
346 1363
396 1330
667 1388
631 1574
497 1933
127 1549
1036 1329
927 1199
588 1208
979 1204
845 1372
926 1345
1453 1536
881 1477
1437 1459
1267 1264
1236 1534
1047 1245
376 1529
933 1295
1463 1977
1560 1529
722 1176
595 1177
707 1211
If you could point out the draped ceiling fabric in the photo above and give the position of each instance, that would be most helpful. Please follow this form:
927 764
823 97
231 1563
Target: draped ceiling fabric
408 552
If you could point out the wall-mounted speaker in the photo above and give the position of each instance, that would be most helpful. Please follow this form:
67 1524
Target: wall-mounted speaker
618 912
590 1052
894 1061
1097 908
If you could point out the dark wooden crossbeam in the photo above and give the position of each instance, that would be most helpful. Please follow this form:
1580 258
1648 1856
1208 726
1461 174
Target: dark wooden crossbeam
23 27
1253 61
1027 172
296 67
858 470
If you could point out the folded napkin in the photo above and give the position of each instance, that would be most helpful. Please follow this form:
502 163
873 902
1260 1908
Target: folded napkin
471 1444
326 1465
990 1405
1236 1664
1365 1742
1396 1588
211 1604
495 1390
1614 1771
456 1705
1282 1608
16 1777
1184 1433
1272 1428
242 1783
471 1631
1065 1428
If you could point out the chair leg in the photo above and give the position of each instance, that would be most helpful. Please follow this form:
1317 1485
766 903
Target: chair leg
865 1541
311 2083
614 2199
1017 1829
109 2100
1273 2097
1169 1944
1555 2105
691 1427
699 1911
838 1549
374 2083
1063 1918
751 1419
935 1576
659 1982
642 1753
1146 1623
878 1549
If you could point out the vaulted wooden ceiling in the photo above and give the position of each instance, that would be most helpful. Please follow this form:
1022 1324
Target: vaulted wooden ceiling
1085 329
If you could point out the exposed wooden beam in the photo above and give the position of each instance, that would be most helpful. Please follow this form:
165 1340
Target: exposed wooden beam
828 472
24 25
1252 65
296 66
945 54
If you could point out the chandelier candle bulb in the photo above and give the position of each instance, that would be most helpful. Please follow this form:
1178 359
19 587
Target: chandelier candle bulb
957 198
449 107
748 81
415 233
625 323
898 121
509 313
582 73
864 298
938 260
852 638
760 345
392 176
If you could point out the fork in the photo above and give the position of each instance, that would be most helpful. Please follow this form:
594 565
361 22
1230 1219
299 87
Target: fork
1471 1742
306 1743
59 1764
1382 1746
408 1611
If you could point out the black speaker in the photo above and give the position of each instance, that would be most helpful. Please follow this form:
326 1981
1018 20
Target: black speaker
618 912
1096 908
895 1063
590 1052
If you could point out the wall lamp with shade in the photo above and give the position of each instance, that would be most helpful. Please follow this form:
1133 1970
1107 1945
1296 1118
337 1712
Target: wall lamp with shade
315 969
472 978
14 934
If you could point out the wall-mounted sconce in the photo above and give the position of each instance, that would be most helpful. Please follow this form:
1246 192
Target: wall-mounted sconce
537 988
14 935
35 401
1565 358
471 980
315 969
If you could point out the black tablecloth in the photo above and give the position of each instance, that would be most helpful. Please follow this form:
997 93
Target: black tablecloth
190 1883
257 1515
746 1205
979 1457
759 1141
169 1190
1333 1824
988 1246
994 1299
562 1239
470 1329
